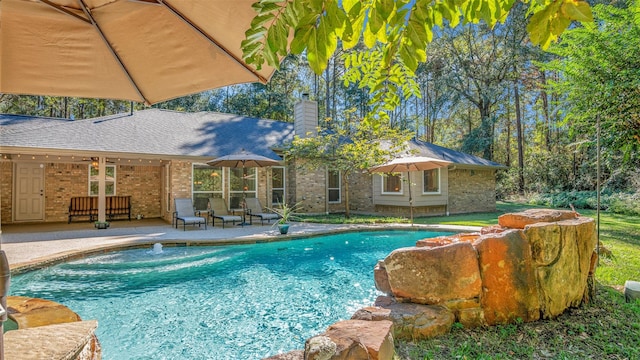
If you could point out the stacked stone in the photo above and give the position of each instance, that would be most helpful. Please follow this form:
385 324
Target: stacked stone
534 265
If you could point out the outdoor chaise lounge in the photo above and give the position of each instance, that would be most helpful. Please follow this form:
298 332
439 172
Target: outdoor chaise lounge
186 214
254 208
219 210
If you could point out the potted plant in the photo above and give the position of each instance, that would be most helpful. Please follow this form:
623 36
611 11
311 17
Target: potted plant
101 224
286 212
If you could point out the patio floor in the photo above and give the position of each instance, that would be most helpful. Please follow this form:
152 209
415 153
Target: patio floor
28 245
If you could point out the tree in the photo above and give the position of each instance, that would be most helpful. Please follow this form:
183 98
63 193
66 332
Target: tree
347 149
395 32
599 67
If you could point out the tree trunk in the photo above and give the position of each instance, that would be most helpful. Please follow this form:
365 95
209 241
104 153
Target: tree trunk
545 111
508 129
345 181
520 140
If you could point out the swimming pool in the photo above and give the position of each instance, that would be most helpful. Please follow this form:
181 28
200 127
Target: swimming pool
218 302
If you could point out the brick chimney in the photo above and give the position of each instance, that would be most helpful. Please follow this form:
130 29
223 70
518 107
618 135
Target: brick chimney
305 117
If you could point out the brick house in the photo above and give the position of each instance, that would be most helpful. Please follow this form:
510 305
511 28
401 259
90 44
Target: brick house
157 155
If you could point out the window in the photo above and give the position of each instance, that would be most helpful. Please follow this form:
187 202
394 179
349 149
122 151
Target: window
207 183
334 186
110 183
392 184
277 185
241 184
431 183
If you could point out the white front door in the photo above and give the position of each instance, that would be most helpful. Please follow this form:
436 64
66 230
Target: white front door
29 192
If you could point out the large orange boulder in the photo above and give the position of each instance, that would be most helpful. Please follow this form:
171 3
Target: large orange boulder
352 340
532 216
509 289
410 321
381 278
562 253
434 276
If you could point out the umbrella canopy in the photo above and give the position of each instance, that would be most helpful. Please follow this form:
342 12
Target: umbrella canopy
410 164
147 50
243 159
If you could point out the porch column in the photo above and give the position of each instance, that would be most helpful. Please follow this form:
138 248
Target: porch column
102 201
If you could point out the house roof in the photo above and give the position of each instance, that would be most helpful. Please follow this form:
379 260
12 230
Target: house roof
149 132
456 157
156 132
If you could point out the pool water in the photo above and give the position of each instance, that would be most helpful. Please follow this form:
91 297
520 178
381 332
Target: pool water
218 302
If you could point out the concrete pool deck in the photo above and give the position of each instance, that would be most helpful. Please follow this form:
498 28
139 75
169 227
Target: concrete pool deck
30 246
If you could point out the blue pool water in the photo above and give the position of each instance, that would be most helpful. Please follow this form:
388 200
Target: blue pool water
225 302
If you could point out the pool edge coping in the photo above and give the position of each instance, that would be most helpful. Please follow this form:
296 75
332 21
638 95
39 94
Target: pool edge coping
70 255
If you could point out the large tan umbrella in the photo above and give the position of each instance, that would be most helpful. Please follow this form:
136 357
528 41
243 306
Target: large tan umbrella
244 159
409 165
144 50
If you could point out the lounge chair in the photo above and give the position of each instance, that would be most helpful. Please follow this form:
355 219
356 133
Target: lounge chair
221 211
185 213
254 208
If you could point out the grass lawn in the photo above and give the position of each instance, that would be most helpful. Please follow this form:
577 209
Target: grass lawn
608 328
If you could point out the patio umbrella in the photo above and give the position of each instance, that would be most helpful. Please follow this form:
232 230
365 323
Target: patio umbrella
409 165
243 159
146 50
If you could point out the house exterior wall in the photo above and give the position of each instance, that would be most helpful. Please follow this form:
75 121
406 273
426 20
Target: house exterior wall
472 191
6 191
180 184
307 187
423 204
62 181
144 185
360 195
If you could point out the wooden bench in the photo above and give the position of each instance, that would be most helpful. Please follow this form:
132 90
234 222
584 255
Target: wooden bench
88 206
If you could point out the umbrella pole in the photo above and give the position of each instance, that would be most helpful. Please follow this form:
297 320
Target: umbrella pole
410 198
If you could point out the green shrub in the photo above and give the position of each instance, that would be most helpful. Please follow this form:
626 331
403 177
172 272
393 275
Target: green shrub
618 203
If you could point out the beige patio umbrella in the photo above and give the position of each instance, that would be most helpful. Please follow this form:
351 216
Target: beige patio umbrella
409 165
244 159
141 50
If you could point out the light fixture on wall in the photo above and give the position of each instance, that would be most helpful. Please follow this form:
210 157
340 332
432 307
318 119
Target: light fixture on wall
94 162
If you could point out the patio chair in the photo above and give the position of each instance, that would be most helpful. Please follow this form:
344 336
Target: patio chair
185 213
254 208
219 210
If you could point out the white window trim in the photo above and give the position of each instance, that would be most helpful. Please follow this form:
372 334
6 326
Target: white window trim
439 184
115 168
221 191
284 183
382 180
339 188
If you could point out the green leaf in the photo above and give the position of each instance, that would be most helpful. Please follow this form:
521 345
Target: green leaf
261 20
408 58
385 8
301 38
369 37
577 10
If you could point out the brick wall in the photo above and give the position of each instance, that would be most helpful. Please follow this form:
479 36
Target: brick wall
64 181
144 185
180 183
6 191
311 191
472 191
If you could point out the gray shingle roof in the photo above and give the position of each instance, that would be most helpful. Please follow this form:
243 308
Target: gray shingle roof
172 133
151 132
457 157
